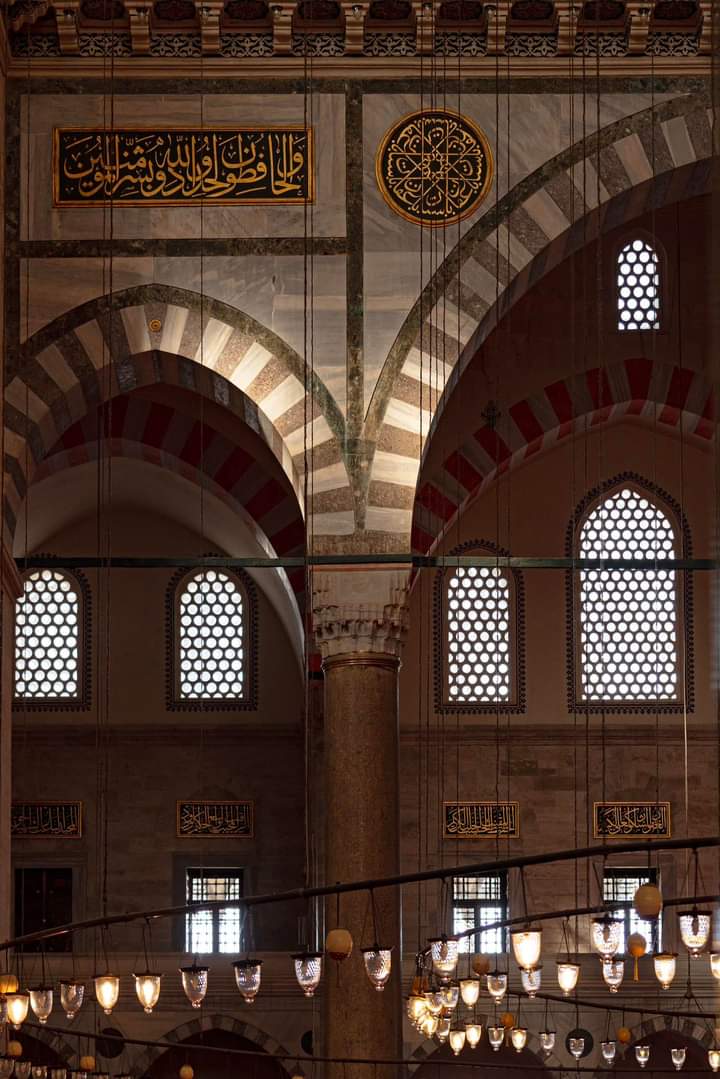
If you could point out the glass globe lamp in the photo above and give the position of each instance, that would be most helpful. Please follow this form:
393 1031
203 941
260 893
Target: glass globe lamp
547 1040
16 1010
567 975
665 964
531 980
518 1037
457 1041
613 972
195 983
608 1050
678 1057
443 1030
308 971
416 1008
39 1071
470 991
7 1065
147 987
526 945
429 1025
606 935
714 1059
695 929
378 965
71 998
642 1054
496 1036
473 1034
248 973
41 1002
715 965
448 996
434 1003
444 955
576 1047
22 1069
497 985
107 991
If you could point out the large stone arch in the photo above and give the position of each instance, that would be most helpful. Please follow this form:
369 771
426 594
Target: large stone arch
545 218
427 1049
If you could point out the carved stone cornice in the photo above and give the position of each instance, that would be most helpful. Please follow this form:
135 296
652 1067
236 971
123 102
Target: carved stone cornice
360 614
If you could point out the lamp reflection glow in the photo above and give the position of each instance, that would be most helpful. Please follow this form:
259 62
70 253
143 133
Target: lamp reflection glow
107 991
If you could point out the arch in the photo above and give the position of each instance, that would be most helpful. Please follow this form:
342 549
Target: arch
56 1045
206 1022
425 1051
687 1030
544 219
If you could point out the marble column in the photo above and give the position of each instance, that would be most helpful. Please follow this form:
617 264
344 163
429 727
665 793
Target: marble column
10 589
360 622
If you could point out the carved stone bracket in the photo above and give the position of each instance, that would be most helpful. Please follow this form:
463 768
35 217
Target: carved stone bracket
639 13
706 44
425 11
210 12
282 19
497 28
67 25
354 26
567 28
360 612
139 28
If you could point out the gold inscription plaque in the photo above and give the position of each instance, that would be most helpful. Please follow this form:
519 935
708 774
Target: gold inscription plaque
215 820
46 820
480 820
628 820
434 167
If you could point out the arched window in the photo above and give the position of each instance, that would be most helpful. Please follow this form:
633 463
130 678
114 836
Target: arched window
630 620
50 646
638 286
213 614
479 638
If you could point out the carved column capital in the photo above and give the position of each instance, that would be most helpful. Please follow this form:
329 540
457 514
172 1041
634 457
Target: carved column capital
360 613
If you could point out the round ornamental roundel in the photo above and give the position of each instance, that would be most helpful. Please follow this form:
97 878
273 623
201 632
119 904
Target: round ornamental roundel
434 167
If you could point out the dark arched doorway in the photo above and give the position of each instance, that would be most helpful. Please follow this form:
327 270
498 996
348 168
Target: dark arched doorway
217 1065
515 1063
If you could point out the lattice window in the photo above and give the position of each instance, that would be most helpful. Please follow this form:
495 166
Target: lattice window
619 886
48 639
476 901
218 930
628 648
212 662
638 287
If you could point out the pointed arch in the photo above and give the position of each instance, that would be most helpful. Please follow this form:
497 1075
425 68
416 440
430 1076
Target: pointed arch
204 1022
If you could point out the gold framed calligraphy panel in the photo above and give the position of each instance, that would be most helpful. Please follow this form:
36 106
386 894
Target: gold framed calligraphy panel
434 167
481 820
631 820
216 820
141 167
46 820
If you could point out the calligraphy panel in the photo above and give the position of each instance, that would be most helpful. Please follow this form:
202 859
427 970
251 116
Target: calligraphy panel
631 820
46 820
434 167
141 167
481 820
215 820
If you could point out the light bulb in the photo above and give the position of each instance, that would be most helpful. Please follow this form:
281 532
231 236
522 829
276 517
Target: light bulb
16 1008
531 980
613 971
470 991
496 1036
526 944
518 1037
248 973
147 987
608 1050
547 1040
71 998
695 929
665 964
308 971
642 1054
444 954
497 985
567 975
606 935
715 964
678 1057
41 1002
473 1034
195 983
714 1059
107 991
576 1047
378 965
457 1041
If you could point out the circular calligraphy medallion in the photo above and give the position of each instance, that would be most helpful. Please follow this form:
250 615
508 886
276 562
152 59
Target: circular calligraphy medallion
434 167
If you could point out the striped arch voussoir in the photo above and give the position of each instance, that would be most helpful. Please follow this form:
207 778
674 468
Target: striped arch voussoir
208 1021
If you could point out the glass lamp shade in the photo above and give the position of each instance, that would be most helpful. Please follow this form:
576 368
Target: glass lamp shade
429 1026
608 1050
378 965
518 1037
547 1040
39 1071
678 1057
22 1069
457 1041
613 972
606 936
714 1059
470 991
531 980
61 1073
71 998
526 945
448 997
444 954
496 1036
443 1030
308 971
497 985
567 975
576 1047
16 1008
7 1065
642 1054
195 983
248 973
41 1002
147 987
715 964
434 1003
416 1008
665 964
695 929
473 1034
107 991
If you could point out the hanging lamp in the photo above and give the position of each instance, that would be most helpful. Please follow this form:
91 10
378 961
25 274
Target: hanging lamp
497 985
665 965
470 991
695 928
107 991
527 946
642 1054
606 935
248 973
608 1050
457 1041
41 1002
714 1059
195 983
677 1056
72 995
473 1034
16 1008
378 965
547 1040
531 980
147 988
567 976
308 971
576 1047
518 1037
613 972
496 1036
444 955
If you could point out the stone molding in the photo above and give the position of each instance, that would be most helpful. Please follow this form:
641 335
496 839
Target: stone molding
360 614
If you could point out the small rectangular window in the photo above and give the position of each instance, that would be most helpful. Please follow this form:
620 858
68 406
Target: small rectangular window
476 901
217 930
620 885
43 900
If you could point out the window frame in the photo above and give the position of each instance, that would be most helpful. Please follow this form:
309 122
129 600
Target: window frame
629 873
248 701
199 872
83 701
683 604
663 291
516 704
479 904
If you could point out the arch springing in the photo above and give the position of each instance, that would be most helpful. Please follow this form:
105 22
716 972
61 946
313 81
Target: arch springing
638 286
48 639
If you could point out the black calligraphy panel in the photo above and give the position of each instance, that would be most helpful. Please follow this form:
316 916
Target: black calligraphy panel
631 820
46 820
220 820
139 167
480 820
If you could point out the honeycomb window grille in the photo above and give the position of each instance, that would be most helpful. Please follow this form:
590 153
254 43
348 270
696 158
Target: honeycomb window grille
638 286
213 640
49 640
629 619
